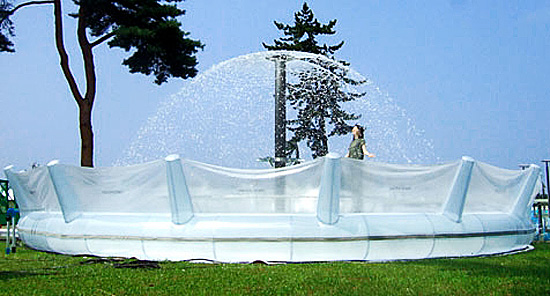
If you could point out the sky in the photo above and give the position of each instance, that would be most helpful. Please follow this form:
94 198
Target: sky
473 75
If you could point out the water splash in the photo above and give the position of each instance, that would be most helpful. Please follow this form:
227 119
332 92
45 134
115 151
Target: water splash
225 116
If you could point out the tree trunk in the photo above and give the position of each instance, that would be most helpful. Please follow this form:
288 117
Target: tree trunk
324 139
86 135
84 104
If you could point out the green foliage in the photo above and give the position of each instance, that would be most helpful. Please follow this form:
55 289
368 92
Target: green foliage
149 29
317 98
301 36
3 201
288 161
318 93
6 27
27 272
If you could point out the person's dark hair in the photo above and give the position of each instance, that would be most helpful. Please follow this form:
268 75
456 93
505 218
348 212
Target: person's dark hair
361 132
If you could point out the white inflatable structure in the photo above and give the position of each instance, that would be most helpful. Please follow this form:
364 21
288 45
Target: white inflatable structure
328 209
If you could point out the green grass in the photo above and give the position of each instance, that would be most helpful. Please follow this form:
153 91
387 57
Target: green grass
29 272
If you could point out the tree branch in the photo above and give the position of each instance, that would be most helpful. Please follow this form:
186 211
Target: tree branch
102 39
87 56
63 56
31 3
11 12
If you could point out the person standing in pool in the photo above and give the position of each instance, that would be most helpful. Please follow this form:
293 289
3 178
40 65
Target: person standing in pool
358 148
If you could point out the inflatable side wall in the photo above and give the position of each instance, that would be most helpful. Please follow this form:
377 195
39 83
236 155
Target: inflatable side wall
328 209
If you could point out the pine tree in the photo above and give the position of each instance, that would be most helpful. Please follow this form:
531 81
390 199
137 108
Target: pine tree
301 36
148 29
319 92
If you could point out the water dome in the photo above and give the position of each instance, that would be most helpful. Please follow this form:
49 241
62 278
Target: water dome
225 116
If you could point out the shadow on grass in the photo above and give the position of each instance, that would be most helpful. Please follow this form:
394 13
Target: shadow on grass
16 274
123 263
134 264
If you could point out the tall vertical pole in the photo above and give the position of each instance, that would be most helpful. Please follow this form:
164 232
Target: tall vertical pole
546 161
280 111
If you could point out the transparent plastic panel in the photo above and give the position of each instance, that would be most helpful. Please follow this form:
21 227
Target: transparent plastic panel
493 189
388 212
450 243
249 237
393 237
133 189
320 242
37 192
193 240
216 189
102 239
369 187
500 223
67 245
27 231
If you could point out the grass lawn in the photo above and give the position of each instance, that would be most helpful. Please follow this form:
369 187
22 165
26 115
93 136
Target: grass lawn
29 272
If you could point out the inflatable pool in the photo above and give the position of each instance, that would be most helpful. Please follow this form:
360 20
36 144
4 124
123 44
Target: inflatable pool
328 209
